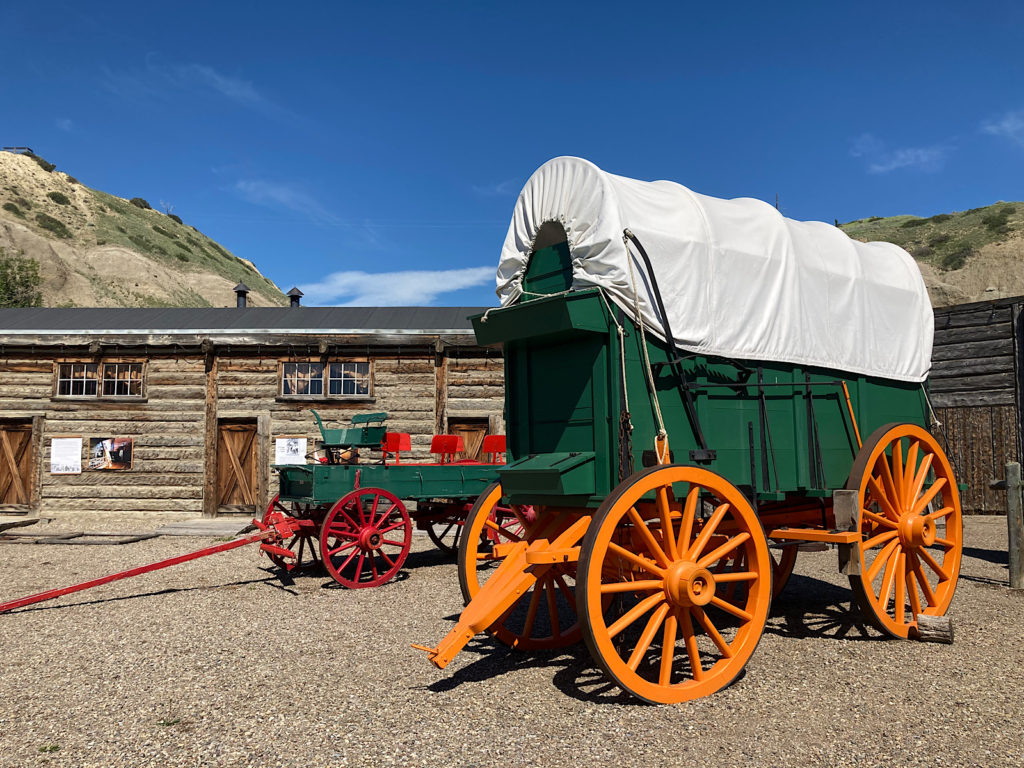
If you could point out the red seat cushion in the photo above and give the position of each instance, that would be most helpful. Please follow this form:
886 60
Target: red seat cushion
493 444
446 444
397 441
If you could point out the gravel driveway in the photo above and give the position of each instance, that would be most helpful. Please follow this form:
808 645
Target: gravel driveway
222 662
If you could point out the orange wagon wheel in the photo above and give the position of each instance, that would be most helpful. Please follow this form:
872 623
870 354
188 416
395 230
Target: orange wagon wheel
545 617
682 624
911 528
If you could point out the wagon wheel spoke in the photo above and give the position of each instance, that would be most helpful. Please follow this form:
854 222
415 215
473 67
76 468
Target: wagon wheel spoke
647 636
668 650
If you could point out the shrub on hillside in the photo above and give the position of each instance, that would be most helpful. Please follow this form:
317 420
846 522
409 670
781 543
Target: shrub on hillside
875 218
72 179
19 281
48 167
913 223
59 198
940 217
12 208
52 225
956 259
138 202
161 231
175 217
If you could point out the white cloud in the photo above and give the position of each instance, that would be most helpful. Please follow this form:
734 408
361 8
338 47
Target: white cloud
64 124
282 195
163 81
393 289
1010 126
879 159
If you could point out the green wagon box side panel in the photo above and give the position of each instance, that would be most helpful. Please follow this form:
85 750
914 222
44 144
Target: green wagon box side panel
552 316
326 483
561 474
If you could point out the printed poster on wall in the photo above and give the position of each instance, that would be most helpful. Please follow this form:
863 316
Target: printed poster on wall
110 453
66 456
290 450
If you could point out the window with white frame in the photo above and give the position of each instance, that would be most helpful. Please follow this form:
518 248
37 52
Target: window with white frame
115 380
345 378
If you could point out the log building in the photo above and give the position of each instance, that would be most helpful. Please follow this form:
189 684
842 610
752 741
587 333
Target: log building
205 394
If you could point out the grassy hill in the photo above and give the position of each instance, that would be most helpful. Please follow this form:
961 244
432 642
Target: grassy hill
96 249
964 256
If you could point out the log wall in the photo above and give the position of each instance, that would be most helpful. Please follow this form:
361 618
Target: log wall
175 427
975 388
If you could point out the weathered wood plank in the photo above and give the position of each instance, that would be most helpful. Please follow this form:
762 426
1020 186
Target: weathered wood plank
1005 380
121 505
974 333
978 398
974 350
123 492
959 318
944 369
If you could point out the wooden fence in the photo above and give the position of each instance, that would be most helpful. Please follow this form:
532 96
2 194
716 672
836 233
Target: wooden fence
975 386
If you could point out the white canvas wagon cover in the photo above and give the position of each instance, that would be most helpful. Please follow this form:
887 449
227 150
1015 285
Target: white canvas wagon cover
738 279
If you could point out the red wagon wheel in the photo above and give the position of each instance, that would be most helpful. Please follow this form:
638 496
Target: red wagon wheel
366 538
445 530
545 617
910 525
304 542
679 626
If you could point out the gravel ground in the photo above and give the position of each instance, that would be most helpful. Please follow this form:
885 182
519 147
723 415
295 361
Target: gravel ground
221 662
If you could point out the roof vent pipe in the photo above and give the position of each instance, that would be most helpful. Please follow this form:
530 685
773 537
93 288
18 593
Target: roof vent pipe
241 291
294 295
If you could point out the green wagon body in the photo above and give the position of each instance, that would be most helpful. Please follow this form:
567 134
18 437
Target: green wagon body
564 400
320 484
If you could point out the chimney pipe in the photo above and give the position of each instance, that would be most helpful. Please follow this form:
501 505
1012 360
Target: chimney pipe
241 291
294 295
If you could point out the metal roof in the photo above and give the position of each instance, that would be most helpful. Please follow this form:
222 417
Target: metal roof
248 320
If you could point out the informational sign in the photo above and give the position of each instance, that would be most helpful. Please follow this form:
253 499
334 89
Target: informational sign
110 453
66 456
290 450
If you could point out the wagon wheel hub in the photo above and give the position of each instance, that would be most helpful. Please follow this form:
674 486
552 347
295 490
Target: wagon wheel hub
916 531
687 585
369 539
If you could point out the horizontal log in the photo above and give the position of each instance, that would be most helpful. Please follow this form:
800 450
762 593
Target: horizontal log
247 365
402 366
262 379
952 318
26 366
129 478
974 383
144 421
485 405
475 364
977 398
106 409
973 350
108 491
120 505
944 369
973 333
475 392
175 378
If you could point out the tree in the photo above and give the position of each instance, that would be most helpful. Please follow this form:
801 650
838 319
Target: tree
19 281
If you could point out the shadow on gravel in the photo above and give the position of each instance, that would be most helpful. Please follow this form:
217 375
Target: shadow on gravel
574 673
997 556
810 607
169 591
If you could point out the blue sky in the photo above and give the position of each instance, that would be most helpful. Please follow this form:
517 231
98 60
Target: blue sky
372 152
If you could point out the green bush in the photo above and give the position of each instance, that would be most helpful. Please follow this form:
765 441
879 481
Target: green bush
59 198
939 239
48 167
161 231
138 202
875 218
23 203
12 208
19 281
956 259
180 256
72 179
175 217
52 225
122 230
913 223
940 217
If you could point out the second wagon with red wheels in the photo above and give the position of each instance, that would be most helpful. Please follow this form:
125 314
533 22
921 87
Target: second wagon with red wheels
353 515
695 388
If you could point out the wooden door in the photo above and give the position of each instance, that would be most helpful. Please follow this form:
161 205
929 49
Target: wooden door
237 466
16 463
472 431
